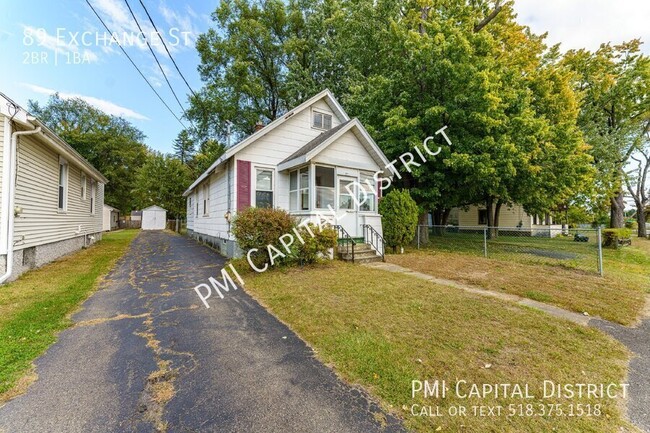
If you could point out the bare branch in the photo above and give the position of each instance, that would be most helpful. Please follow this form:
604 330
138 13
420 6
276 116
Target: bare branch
485 21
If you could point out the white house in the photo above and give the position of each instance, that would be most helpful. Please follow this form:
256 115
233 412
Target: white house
510 217
110 218
51 199
154 218
302 162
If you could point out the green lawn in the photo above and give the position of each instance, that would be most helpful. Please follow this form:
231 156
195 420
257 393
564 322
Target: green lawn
619 296
34 308
382 330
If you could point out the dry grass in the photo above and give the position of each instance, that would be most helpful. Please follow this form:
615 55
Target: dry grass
382 330
619 296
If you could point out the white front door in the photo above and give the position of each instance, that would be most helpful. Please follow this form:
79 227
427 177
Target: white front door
346 209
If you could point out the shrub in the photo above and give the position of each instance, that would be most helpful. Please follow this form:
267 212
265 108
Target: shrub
314 246
613 238
259 227
399 218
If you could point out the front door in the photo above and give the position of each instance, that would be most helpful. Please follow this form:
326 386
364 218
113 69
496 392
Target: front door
346 205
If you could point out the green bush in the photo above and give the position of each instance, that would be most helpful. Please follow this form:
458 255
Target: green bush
259 227
399 218
314 246
613 238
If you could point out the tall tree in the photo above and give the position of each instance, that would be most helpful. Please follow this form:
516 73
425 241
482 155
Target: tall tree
614 83
184 146
636 181
111 144
161 181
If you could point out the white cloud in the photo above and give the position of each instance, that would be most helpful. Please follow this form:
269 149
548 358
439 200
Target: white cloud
102 104
587 23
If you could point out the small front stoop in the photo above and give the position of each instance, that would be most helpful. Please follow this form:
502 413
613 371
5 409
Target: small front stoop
363 253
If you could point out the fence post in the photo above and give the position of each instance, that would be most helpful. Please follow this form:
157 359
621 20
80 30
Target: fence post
485 241
419 228
600 253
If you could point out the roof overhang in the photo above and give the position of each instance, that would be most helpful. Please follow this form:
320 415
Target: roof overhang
355 126
325 94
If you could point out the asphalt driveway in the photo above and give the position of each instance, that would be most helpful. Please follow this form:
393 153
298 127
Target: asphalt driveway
145 355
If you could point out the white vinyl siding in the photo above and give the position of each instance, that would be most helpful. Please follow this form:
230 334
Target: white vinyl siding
347 151
37 183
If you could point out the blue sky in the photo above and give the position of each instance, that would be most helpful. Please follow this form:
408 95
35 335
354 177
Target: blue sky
43 51
40 40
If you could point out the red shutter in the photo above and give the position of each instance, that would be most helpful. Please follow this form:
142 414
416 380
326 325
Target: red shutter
243 184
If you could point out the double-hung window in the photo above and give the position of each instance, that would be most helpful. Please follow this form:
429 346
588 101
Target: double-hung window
299 189
83 186
324 187
206 199
263 187
93 194
63 184
367 193
321 120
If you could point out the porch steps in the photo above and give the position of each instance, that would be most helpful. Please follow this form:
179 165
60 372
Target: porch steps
363 253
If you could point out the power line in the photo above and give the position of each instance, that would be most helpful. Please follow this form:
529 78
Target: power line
134 65
154 56
166 49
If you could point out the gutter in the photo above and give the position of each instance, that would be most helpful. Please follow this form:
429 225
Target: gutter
8 199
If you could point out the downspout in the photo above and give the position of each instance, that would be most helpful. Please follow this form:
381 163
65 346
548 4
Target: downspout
9 191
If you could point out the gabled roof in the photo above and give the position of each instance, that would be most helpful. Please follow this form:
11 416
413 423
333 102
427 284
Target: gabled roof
325 94
318 144
22 117
154 207
315 142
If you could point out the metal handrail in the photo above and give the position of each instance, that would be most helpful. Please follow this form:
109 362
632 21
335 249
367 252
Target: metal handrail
369 232
343 235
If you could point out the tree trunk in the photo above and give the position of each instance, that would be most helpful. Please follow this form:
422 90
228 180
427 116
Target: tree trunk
423 227
445 216
490 216
617 211
640 220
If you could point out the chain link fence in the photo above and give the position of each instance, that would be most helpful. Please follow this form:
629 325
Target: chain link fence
579 248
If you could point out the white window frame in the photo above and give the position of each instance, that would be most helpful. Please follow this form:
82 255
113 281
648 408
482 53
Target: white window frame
196 202
273 191
299 189
62 185
206 199
84 184
323 114
93 196
333 188
365 186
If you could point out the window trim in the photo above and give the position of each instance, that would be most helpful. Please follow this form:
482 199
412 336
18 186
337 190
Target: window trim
63 183
206 198
323 113
83 180
273 191
93 196
334 188
299 189
374 192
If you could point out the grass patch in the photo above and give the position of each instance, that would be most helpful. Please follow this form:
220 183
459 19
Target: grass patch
34 308
619 296
382 330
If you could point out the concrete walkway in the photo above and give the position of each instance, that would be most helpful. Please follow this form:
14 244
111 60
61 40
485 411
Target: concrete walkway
636 339
550 309
145 355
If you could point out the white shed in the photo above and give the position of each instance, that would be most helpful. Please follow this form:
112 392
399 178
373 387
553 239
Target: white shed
154 218
110 217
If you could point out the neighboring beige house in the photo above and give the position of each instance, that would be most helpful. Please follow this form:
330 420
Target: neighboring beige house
310 158
510 217
51 198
